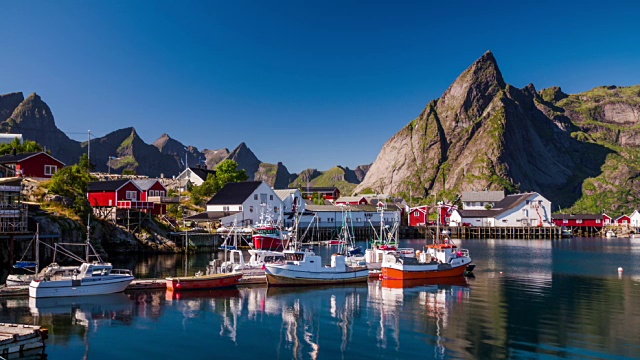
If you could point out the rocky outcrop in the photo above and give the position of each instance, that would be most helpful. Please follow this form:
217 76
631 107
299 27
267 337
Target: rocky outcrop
182 154
361 171
484 134
277 176
214 157
246 160
8 103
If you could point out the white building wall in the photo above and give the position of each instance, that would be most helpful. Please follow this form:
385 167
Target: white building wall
526 214
251 207
635 218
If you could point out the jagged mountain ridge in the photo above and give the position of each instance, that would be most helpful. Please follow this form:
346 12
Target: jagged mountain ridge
485 134
123 149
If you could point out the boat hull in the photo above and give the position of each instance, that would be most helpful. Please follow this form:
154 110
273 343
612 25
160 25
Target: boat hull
266 243
69 287
203 282
288 277
416 272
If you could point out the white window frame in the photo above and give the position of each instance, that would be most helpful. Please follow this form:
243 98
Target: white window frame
49 168
131 195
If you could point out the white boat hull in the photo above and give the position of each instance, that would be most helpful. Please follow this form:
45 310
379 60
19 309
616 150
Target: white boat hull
279 275
69 287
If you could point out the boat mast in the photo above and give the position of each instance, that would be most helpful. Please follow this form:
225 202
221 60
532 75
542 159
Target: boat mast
37 247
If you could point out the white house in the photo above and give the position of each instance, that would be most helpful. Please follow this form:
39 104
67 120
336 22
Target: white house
360 216
244 202
194 175
527 209
635 218
290 197
478 200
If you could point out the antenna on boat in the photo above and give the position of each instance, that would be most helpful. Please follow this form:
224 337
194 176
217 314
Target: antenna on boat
88 234
37 247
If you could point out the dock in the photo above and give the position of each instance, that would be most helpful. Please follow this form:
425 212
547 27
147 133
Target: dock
18 338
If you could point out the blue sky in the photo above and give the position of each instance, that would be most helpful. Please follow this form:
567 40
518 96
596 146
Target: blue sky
311 84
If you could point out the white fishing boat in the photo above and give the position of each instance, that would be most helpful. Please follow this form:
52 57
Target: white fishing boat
92 277
610 234
305 268
29 268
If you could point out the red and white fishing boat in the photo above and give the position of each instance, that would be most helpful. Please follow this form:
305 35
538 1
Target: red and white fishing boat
267 235
437 261
200 282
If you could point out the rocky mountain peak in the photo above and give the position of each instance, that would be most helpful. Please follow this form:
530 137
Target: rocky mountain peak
471 93
245 158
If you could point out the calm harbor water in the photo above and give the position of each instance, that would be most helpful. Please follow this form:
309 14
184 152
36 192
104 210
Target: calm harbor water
528 299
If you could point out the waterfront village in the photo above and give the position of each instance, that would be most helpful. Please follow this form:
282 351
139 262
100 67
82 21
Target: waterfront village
275 221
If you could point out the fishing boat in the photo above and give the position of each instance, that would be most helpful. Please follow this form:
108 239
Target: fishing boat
234 260
200 281
610 234
440 259
29 268
267 235
305 268
93 277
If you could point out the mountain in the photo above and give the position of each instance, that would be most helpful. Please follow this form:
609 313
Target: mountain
485 134
179 151
8 103
342 178
33 119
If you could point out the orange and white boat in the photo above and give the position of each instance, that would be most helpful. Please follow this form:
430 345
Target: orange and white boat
437 261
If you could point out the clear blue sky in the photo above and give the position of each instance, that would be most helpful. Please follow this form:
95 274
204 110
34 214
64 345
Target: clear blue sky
311 84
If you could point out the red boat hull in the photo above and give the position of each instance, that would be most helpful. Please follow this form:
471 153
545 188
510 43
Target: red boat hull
267 243
395 274
203 282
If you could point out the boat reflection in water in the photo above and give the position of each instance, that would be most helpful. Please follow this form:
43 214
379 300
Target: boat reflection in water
428 305
85 310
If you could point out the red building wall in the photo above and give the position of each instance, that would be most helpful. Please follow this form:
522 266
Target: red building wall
34 166
122 192
419 216
575 223
99 199
156 187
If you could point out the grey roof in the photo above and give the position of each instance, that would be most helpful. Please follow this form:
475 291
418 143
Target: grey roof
145 184
490 196
234 193
511 201
576 216
349 198
319 208
284 193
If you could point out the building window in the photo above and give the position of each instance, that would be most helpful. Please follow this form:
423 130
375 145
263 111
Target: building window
131 195
275 209
271 197
255 196
251 208
416 214
565 221
263 198
597 221
225 208
330 220
50 169
240 208
579 221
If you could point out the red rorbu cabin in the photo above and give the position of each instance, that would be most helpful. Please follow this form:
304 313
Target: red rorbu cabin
579 220
419 216
33 164
153 191
123 194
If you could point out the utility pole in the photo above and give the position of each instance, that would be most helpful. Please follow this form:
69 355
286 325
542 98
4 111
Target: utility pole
89 153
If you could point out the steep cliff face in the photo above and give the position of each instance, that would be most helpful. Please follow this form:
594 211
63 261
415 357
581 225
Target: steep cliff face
8 103
214 157
277 176
34 120
484 134
246 159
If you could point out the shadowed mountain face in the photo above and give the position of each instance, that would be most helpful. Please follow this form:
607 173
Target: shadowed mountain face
486 134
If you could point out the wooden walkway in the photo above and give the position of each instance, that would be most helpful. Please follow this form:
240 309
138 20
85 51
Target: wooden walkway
18 338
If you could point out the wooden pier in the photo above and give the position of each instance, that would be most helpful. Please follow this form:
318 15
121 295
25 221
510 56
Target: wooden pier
18 338
491 232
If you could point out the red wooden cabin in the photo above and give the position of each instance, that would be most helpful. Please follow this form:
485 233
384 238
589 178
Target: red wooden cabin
37 165
579 220
419 216
123 194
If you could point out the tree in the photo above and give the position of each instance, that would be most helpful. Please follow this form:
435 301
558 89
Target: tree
85 164
203 192
20 147
73 182
227 172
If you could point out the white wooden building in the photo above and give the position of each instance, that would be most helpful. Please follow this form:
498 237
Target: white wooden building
361 216
526 209
635 218
194 175
244 202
